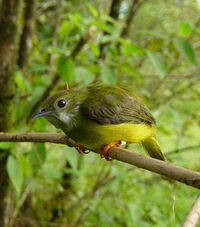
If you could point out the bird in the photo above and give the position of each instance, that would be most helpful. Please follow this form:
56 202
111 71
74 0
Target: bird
100 116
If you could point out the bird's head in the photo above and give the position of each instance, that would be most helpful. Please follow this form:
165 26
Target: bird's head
61 109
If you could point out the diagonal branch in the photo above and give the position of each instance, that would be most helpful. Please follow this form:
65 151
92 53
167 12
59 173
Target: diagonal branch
131 14
183 149
194 215
166 169
176 93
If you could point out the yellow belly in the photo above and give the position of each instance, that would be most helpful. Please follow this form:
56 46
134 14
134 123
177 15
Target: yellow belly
93 136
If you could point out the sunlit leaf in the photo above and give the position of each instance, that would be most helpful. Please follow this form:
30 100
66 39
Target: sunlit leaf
103 26
6 145
22 83
64 28
95 48
66 68
92 10
15 173
41 151
185 28
185 48
25 165
130 48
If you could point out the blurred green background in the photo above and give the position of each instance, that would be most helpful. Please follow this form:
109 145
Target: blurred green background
152 45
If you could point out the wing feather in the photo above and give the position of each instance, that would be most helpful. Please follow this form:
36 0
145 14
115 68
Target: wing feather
114 105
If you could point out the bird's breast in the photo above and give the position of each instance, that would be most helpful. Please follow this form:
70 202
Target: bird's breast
93 136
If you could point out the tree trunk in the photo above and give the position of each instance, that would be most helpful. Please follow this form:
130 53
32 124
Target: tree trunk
9 13
25 40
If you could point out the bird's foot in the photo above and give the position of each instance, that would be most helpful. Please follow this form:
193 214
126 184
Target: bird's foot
105 149
81 149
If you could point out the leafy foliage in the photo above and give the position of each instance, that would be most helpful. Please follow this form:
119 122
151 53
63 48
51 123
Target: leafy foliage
80 43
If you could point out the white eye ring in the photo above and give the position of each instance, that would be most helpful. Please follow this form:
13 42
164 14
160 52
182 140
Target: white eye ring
61 103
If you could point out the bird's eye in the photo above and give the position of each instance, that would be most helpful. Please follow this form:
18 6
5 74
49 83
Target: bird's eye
61 103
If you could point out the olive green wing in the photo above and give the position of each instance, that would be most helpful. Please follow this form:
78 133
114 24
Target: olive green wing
114 105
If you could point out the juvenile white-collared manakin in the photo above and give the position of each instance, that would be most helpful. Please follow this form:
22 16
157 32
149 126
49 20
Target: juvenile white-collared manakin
102 116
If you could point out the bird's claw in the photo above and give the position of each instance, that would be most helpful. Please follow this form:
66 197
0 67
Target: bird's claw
104 153
81 149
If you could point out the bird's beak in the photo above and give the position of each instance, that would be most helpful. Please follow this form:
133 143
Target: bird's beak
42 113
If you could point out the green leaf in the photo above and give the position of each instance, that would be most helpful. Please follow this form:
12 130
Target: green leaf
130 48
108 76
15 173
66 68
185 48
21 82
72 157
92 10
185 28
64 28
102 25
95 48
41 151
83 75
6 145
25 164
157 62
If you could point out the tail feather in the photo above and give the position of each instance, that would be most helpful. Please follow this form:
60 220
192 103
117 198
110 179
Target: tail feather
152 146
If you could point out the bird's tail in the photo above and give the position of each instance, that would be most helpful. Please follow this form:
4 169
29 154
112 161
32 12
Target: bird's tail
152 146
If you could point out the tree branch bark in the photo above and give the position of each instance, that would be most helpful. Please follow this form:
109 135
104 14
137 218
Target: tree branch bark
25 40
194 215
9 15
166 169
131 13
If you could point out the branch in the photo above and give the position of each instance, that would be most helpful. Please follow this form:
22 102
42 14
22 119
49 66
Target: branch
131 13
175 93
194 215
183 149
58 138
180 174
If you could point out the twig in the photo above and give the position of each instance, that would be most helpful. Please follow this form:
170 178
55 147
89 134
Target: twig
175 93
131 13
180 174
24 196
194 215
183 149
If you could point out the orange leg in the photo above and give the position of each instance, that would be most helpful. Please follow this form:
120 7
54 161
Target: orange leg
105 149
81 149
